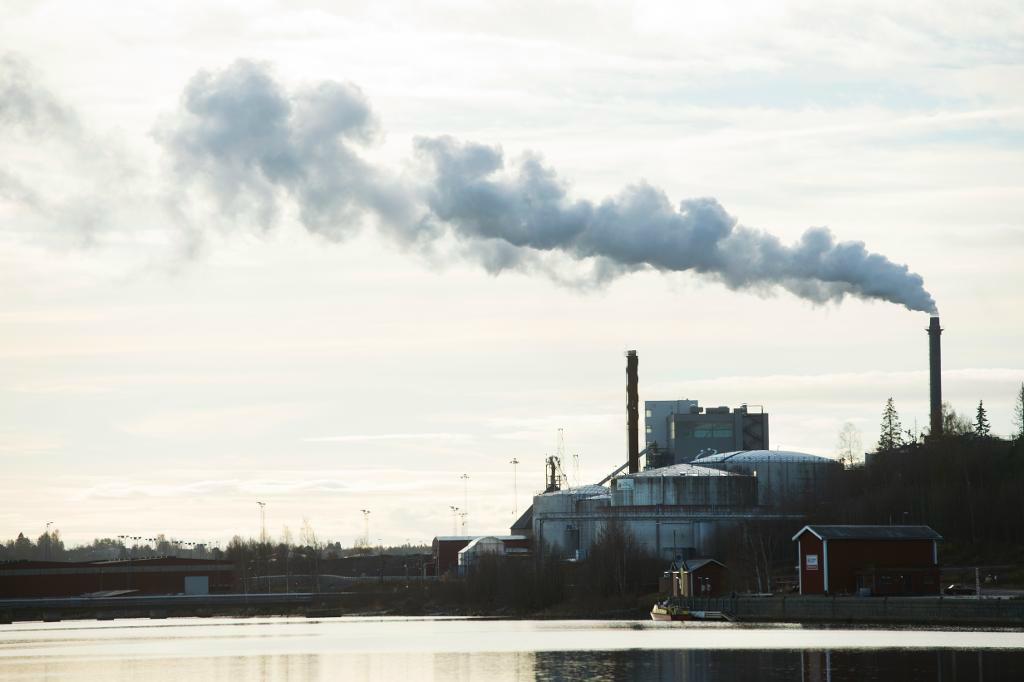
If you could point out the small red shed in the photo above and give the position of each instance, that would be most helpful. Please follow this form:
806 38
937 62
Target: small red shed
702 578
870 560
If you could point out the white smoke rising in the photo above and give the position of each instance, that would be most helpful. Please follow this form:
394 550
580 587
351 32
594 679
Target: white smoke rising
247 140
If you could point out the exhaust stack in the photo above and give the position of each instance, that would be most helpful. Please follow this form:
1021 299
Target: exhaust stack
935 375
632 411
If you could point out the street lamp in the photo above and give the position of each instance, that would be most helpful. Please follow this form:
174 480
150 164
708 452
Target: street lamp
455 519
49 541
465 501
515 489
366 527
263 522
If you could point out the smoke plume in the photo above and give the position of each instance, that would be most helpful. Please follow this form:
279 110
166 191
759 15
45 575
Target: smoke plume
248 141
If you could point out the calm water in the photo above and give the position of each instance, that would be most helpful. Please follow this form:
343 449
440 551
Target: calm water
495 651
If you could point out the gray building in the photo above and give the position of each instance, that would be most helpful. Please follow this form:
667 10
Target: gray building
707 431
656 419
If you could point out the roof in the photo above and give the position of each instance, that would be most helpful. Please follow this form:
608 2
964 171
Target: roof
679 470
692 565
455 538
763 456
470 538
478 541
524 522
582 491
870 532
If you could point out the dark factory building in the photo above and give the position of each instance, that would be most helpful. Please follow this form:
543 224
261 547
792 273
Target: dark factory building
868 560
162 575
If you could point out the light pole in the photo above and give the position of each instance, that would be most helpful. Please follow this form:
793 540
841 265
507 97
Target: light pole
263 522
455 519
465 502
515 489
366 527
49 540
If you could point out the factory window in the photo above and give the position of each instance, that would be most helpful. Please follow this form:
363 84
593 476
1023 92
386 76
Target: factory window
648 414
650 430
707 430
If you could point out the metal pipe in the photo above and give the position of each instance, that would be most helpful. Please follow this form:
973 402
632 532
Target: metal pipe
935 375
632 411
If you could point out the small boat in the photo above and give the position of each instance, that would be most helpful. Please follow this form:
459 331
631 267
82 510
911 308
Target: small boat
666 612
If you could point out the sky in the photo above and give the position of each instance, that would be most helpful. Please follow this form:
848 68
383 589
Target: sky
332 256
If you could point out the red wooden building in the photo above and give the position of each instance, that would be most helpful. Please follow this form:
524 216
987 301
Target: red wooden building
868 560
702 578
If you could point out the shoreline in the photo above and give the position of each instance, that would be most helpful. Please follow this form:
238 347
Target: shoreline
839 611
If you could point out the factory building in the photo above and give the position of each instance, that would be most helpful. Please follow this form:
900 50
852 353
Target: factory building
675 513
785 480
680 431
657 414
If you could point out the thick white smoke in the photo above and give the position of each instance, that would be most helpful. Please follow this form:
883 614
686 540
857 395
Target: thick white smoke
247 140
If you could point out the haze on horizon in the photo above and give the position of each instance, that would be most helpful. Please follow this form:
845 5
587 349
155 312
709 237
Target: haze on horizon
248 250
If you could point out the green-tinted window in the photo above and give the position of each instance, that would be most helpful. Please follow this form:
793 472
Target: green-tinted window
707 430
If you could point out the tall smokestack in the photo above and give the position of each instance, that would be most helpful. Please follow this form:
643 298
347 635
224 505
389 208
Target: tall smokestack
935 376
633 411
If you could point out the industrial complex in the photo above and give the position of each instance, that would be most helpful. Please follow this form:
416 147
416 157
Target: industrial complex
703 473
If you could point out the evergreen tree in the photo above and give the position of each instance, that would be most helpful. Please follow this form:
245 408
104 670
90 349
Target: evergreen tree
1018 414
982 429
891 436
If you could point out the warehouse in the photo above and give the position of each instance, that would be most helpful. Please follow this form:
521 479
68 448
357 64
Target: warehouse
161 575
868 560
447 549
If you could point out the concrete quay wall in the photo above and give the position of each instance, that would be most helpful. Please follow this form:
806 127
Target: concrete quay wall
867 610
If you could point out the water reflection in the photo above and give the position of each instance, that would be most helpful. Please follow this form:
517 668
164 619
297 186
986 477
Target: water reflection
494 651
808 666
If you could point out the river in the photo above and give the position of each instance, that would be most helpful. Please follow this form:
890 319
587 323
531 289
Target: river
412 649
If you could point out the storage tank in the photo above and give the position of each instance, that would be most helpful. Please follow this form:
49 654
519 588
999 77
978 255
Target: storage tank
785 480
564 521
684 485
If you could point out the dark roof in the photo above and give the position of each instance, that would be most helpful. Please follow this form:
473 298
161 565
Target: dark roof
692 565
870 532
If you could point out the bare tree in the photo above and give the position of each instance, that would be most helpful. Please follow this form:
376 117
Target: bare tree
309 539
954 423
849 447
1018 414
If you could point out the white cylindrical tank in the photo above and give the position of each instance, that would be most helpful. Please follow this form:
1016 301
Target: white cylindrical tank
684 485
785 479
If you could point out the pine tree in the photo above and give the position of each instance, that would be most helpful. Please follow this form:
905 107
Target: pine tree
1018 414
982 429
891 436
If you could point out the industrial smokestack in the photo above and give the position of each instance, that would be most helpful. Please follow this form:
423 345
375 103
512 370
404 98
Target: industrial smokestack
633 411
935 376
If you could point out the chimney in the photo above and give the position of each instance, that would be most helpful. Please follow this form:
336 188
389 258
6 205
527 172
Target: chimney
935 375
632 411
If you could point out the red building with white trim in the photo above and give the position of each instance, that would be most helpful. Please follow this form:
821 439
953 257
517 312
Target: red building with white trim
868 560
